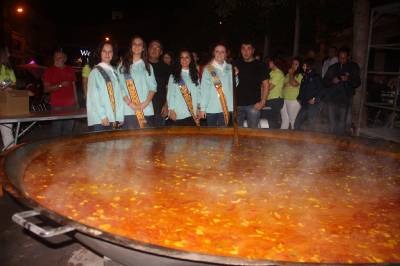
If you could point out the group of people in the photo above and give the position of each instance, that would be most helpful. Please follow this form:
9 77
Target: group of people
296 99
138 92
144 89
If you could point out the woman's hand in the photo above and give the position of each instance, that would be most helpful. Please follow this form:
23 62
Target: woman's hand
202 115
135 107
144 104
105 122
172 115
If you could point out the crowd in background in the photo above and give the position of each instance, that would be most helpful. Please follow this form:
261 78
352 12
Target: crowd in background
151 87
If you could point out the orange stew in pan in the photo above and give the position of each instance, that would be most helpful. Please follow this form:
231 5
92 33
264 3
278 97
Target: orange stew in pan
264 199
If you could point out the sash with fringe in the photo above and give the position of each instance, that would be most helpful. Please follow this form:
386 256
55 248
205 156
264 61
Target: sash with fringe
220 91
110 91
135 99
188 100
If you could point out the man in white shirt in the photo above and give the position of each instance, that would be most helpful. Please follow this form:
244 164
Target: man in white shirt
332 59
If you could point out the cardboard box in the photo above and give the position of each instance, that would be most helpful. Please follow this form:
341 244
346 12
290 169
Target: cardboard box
15 102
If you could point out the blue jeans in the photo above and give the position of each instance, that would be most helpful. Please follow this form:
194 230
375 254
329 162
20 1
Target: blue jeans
251 114
100 127
159 121
274 114
217 120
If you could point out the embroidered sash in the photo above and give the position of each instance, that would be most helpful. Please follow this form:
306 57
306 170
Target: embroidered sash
188 100
130 84
220 91
110 91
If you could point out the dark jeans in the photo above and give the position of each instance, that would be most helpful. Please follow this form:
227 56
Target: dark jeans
100 127
338 116
274 114
159 121
308 112
62 127
188 121
217 120
131 122
251 114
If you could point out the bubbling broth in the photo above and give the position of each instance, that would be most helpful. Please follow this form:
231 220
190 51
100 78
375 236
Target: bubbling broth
263 199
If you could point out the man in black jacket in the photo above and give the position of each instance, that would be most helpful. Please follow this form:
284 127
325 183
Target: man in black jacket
310 95
341 81
161 73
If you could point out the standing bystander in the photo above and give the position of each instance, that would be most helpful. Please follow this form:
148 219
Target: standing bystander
161 72
252 89
59 81
341 80
7 83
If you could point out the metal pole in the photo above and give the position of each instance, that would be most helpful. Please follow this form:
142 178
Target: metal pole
235 109
365 74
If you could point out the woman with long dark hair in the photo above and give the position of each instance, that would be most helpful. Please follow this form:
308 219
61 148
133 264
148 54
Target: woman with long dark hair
291 87
183 91
104 102
138 82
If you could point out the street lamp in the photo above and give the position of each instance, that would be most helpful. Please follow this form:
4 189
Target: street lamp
20 10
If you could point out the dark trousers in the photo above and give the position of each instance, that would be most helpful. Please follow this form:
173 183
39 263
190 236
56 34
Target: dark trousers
159 121
62 127
274 114
188 122
217 120
131 122
309 113
100 127
338 118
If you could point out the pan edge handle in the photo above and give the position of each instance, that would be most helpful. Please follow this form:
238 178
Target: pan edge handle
20 218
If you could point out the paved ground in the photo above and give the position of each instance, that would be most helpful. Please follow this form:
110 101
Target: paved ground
19 247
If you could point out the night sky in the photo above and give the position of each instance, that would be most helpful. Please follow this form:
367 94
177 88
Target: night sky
195 24
176 23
